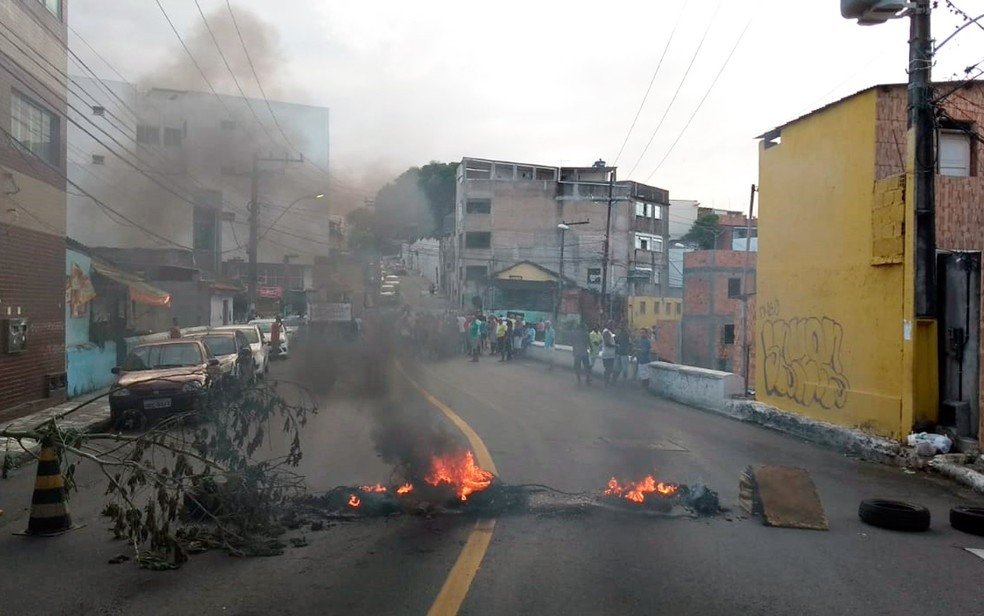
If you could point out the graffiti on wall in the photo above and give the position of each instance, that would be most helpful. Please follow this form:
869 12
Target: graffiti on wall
802 361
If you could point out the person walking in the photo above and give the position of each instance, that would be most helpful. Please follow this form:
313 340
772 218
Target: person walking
549 337
276 332
500 339
623 349
483 333
529 337
607 353
581 345
644 352
505 342
475 338
595 337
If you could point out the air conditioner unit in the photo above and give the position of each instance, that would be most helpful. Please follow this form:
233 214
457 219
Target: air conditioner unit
13 335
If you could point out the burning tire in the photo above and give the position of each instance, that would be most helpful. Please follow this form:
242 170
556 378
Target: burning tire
894 515
968 519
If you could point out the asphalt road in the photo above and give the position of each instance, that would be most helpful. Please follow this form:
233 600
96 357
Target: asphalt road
539 428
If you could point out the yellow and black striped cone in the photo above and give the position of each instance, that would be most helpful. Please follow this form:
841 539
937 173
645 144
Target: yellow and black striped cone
49 509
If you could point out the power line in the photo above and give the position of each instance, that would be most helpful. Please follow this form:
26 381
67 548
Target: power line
232 73
678 88
701 103
651 82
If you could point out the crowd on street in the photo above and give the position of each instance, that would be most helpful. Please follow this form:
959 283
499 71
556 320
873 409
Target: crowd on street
625 356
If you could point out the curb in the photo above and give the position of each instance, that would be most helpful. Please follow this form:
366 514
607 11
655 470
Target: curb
96 418
958 472
843 439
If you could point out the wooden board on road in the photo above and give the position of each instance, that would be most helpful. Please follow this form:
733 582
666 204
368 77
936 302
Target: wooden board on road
785 496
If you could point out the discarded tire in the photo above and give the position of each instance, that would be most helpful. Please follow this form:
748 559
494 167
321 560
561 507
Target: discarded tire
894 515
968 519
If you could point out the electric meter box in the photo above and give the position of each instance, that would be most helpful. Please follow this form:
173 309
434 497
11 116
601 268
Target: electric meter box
13 336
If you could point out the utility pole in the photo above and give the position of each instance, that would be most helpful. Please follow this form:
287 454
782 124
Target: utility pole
254 224
608 231
745 294
924 166
254 233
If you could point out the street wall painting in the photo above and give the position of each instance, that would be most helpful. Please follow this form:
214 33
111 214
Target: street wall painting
802 361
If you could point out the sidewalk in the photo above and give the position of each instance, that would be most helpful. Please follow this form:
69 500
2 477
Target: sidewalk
91 417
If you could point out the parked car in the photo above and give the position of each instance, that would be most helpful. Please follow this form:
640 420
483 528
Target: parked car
235 356
162 378
266 326
257 342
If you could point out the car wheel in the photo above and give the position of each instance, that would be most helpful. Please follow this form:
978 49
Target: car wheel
894 515
968 519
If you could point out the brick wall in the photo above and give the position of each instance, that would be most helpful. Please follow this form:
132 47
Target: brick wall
32 286
708 310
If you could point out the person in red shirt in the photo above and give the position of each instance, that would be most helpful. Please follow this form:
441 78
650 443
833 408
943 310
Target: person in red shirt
275 332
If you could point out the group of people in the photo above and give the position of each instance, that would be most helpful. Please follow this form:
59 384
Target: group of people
615 347
505 336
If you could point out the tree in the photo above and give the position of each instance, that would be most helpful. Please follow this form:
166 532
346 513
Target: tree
176 489
438 182
704 232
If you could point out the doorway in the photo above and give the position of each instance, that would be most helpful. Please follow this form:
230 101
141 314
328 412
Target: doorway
959 287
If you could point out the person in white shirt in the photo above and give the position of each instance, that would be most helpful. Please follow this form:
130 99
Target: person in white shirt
608 354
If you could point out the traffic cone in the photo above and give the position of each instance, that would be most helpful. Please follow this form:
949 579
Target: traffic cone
49 509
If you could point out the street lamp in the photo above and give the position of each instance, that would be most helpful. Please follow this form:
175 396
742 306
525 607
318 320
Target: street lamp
563 227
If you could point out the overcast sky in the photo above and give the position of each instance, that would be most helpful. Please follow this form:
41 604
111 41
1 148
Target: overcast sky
548 82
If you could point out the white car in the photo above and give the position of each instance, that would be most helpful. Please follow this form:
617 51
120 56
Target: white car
266 326
257 342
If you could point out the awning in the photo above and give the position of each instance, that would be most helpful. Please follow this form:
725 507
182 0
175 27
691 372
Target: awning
140 291
229 287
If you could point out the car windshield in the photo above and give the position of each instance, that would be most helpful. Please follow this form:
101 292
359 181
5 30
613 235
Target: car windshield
251 335
158 356
220 345
293 321
265 326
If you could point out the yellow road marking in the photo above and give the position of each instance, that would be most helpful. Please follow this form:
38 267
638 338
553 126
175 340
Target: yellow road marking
456 586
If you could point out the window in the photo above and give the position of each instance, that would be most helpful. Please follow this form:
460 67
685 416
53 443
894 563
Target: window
478 239
476 272
35 128
679 307
228 125
642 307
98 110
524 173
648 210
734 287
172 137
729 334
478 206
655 307
54 7
98 159
205 224
649 243
505 172
148 135
954 153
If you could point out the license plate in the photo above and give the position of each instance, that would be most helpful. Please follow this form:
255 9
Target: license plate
161 403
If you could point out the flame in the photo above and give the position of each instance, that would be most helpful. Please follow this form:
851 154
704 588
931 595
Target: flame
354 501
375 488
405 488
459 471
636 491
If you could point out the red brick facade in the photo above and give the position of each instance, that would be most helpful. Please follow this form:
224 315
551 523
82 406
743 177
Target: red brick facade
712 308
32 286
959 200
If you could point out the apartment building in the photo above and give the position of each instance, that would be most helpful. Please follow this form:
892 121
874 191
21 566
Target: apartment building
507 213
32 195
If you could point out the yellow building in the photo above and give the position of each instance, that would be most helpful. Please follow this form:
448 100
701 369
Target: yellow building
836 335
649 311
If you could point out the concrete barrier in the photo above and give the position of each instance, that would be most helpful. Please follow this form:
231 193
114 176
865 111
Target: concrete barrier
700 387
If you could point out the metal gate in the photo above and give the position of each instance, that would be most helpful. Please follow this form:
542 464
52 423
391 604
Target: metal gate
959 284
